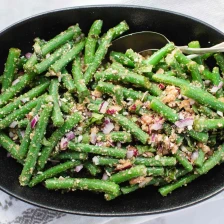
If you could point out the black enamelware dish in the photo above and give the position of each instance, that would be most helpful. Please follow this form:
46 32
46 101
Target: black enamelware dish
178 28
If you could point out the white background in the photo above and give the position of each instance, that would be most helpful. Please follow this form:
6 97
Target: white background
212 12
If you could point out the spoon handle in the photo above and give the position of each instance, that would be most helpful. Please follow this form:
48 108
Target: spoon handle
214 49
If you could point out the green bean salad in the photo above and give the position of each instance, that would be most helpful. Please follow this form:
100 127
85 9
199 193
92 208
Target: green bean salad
76 122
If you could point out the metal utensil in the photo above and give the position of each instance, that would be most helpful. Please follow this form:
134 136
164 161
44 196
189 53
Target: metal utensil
146 42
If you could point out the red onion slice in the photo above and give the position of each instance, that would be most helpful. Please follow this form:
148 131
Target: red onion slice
220 113
24 100
34 121
162 86
157 126
130 154
8 155
108 127
95 160
153 137
185 122
93 138
13 124
22 133
78 168
111 111
145 182
63 143
15 81
133 107
28 55
105 176
103 107
214 89
99 144
70 135
194 156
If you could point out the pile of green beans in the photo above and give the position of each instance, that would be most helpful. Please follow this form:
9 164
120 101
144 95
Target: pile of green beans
74 122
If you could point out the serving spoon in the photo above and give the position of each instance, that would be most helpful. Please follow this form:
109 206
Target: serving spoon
146 42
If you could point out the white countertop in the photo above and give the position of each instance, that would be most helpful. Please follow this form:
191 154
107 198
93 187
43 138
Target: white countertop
15 211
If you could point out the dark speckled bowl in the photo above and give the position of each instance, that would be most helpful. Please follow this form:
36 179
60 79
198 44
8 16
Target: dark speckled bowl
178 28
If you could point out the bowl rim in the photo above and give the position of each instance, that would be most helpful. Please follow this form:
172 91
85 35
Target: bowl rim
125 214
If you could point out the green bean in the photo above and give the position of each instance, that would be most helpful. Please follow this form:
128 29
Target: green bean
56 136
154 161
104 161
53 171
10 146
18 114
71 33
195 73
202 124
159 107
46 63
158 55
109 88
124 76
155 171
182 182
145 148
135 57
183 161
91 41
220 60
65 107
67 80
170 80
79 79
93 169
130 188
175 66
115 136
10 68
71 156
109 197
66 58
12 91
208 112
114 152
28 66
24 146
199 136
69 99
200 159
102 49
35 92
57 116
23 123
155 90
180 173
128 174
21 62
35 145
130 126
202 97
215 159
181 58
121 58
118 92
196 44
83 184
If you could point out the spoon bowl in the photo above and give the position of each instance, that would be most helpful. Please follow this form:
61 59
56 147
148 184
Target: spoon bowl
142 42
146 42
